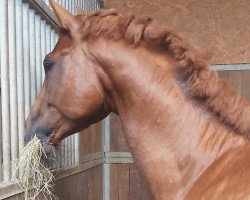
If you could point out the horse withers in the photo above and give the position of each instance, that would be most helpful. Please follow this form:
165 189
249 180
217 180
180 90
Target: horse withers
187 130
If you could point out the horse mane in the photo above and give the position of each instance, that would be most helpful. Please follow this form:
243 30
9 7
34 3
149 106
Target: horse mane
217 94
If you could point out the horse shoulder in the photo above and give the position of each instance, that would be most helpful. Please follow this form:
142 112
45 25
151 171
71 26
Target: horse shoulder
228 177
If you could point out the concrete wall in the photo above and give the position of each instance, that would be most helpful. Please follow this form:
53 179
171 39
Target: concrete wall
221 27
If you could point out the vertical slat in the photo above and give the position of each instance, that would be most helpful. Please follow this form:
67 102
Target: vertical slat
47 39
73 6
70 6
245 84
86 3
123 188
76 148
55 38
98 5
38 53
134 184
12 80
114 183
73 149
66 155
5 89
1 133
81 4
20 72
32 55
106 167
43 46
70 150
60 2
46 1
64 3
63 153
95 5
26 59
52 39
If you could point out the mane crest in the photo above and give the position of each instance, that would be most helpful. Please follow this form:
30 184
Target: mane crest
217 94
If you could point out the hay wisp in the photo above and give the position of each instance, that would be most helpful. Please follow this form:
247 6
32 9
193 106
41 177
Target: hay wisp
33 176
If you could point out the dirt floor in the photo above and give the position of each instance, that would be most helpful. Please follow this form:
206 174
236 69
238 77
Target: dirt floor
221 27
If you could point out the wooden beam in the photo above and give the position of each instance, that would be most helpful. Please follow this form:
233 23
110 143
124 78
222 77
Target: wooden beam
118 158
69 171
12 188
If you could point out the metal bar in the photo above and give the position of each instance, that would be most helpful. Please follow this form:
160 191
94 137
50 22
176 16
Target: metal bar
43 47
87 6
73 149
32 55
20 72
5 89
60 2
231 67
38 53
96 4
70 6
76 148
64 3
81 4
55 39
47 39
106 167
66 155
1 133
26 61
12 81
73 7
63 153
67 5
70 150
43 9
52 39
46 1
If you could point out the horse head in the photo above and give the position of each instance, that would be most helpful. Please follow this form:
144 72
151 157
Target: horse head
72 97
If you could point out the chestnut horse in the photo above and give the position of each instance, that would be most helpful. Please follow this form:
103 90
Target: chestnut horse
187 130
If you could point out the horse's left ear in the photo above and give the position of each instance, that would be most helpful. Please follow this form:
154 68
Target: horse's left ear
64 17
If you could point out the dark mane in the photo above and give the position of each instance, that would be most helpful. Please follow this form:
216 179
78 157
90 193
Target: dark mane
217 94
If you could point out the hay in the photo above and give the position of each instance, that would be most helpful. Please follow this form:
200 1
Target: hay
33 176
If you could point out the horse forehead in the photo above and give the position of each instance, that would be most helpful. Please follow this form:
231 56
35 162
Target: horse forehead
63 44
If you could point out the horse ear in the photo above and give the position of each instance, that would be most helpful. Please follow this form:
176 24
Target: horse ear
80 11
64 17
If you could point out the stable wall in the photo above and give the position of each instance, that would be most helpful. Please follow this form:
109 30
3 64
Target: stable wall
220 27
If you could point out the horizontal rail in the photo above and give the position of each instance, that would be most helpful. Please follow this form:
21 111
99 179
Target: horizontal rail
231 67
118 158
42 9
11 188
69 171
46 13
87 162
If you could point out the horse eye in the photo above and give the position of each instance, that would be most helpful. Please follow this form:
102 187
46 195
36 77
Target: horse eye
47 65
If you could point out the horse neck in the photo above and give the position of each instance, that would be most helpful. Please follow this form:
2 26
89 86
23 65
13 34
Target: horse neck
167 134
